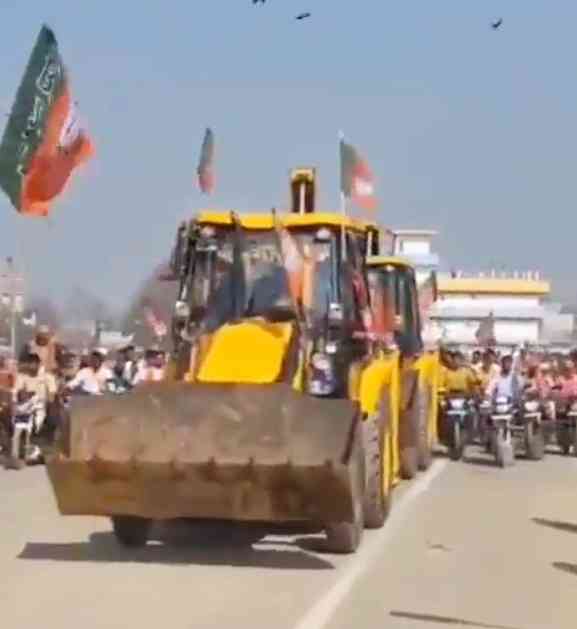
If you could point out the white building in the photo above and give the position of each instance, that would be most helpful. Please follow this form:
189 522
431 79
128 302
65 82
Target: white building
416 246
518 301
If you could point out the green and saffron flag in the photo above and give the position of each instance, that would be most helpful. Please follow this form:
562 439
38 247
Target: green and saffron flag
43 142
357 181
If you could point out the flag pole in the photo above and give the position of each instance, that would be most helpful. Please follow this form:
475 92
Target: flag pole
343 201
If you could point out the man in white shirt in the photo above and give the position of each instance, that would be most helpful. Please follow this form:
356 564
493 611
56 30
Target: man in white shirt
92 380
509 383
35 382
152 370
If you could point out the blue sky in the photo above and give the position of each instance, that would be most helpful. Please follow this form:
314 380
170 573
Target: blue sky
468 131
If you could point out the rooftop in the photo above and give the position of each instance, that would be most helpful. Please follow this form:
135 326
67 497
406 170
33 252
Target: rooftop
264 220
493 286
414 232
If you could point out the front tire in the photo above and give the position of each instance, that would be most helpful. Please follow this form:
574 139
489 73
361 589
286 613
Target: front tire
345 537
504 453
131 531
457 444
535 443
425 453
377 496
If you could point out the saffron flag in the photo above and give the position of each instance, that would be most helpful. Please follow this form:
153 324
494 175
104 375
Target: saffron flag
294 262
205 170
357 181
43 141
239 279
158 327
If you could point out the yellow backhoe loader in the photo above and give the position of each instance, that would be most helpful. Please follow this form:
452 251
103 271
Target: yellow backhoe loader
277 408
395 306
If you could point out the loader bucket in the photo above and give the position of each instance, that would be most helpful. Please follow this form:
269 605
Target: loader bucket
237 452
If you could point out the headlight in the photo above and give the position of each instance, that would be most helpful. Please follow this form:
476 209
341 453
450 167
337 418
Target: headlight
531 406
181 310
322 379
331 347
321 362
457 404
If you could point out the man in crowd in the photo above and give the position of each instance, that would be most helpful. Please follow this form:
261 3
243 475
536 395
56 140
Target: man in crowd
92 379
487 370
43 345
509 382
152 370
457 376
127 366
34 381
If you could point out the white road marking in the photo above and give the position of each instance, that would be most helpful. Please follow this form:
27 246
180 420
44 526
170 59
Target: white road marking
319 615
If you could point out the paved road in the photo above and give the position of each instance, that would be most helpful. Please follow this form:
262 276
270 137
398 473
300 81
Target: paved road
468 546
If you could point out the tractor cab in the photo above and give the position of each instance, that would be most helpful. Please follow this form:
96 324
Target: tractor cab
395 303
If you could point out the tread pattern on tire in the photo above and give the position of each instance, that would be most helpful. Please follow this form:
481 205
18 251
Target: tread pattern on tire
376 502
345 537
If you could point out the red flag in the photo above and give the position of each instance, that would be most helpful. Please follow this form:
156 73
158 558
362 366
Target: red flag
205 170
357 180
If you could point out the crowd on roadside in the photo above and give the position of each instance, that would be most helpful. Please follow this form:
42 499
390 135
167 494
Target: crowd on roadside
50 373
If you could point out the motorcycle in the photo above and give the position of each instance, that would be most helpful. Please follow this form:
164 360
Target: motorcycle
23 424
566 427
528 428
500 431
458 414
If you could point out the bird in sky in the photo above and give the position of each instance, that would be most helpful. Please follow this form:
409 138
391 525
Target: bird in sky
495 25
302 16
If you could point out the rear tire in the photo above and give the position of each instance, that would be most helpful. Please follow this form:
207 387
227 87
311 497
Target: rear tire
457 444
377 497
131 531
409 462
345 537
425 454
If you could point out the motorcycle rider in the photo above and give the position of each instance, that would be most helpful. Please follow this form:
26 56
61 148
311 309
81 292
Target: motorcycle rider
488 369
509 383
568 382
92 379
44 346
33 380
152 370
457 376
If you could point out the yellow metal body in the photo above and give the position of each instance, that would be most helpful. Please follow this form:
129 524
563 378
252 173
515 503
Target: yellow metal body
426 365
266 221
252 351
